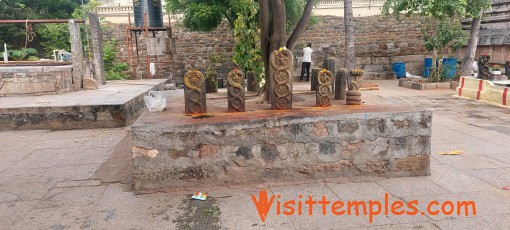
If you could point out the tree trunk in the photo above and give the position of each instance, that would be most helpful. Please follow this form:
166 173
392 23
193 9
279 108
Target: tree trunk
469 55
350 56
291 43
265 28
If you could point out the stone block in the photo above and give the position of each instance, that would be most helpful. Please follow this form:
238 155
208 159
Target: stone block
90 84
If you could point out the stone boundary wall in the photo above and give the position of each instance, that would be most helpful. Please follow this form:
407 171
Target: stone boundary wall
379 42
177 155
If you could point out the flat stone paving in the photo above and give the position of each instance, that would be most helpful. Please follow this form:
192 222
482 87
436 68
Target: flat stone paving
80 179
114 92
113 105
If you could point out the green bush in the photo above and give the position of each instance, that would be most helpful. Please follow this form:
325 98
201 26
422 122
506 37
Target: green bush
19 55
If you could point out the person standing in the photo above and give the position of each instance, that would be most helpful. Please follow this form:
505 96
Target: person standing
307 62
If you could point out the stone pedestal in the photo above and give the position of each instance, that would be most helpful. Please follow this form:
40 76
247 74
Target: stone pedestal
235 91
194 92
323 95
281 79
313 81
341 84
175 151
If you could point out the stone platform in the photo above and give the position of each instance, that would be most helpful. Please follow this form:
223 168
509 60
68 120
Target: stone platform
173 150
116 104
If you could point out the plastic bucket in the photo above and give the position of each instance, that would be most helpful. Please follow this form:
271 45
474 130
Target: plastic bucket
428 67
400 69
449 67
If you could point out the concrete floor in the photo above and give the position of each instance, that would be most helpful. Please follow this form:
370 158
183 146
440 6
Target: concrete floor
80 179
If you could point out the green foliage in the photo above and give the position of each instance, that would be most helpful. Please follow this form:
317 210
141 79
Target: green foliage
443 34
448 31
247 39
54 37
19 55
440 9
114 71
202 15
31 9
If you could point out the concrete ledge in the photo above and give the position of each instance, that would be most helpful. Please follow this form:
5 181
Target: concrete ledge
172 150
483 90
117 104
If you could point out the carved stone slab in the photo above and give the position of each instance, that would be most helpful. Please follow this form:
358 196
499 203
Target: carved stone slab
194 92
235 89
281 79
354 94
324 91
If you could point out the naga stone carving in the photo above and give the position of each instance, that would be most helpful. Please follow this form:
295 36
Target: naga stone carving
341 83
235 89
281 79
354 94
330 64
483 67
194 92
323 94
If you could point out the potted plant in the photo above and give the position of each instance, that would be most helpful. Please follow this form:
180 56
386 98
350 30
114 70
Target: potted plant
495 70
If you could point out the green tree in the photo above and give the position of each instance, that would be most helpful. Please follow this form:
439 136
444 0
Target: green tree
31 9
448 14
276 18
246 39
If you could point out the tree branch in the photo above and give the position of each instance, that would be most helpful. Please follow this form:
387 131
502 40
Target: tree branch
300 27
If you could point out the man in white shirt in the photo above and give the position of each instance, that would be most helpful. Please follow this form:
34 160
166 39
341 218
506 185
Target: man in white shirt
307 62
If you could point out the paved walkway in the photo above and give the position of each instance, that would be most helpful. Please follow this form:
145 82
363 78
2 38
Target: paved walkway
80 179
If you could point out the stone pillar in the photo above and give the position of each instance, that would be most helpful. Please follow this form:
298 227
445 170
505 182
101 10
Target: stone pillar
77 54
280 63
97 48
323 94
235 91
341 84
253 85
313 82
354 94
329 64
194 92
507 69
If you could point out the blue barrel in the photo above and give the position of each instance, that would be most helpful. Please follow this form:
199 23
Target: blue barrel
428 67
449 67
400 69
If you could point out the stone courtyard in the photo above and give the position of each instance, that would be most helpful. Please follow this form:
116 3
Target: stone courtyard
82 179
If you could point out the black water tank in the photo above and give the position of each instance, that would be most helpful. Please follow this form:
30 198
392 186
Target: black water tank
154 13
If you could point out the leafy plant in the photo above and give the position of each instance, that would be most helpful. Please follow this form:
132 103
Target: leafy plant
248 54
495 68
19 55
114 71
211 76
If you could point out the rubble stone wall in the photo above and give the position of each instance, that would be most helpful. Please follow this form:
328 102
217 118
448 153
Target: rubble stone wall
282 149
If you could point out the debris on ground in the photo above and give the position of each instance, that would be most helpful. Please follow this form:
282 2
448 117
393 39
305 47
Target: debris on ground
199 196
453 152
